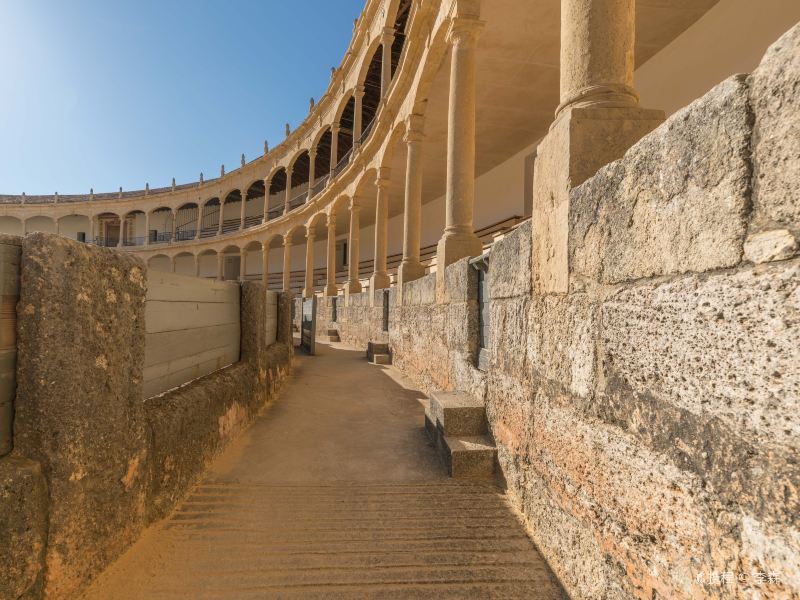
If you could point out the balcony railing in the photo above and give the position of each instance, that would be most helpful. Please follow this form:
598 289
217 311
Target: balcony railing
185 235
274 213
342 163
253 220
298 200
365 133
319 185
161 238
134 241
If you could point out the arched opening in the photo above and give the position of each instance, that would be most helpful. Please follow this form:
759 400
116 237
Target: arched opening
300 174
186 222
372 94
40 223
11 226
108 228
133 225
184 264
322 166
345 139
232 212
207 264
160 263
160 229
277 194
254 206
275 263
231 263
400 23
75 227
253 263
209 222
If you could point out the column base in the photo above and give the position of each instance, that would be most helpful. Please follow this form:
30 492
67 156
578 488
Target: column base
453 247
379 281
579 143
353 286
331 290
408 271
308 293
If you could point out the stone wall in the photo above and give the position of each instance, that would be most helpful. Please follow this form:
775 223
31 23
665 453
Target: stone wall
647 420
93 463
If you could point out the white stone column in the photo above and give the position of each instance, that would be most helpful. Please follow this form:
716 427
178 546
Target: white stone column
121 232
174 214
243 211
597 120
288 190
197 265
387 39
172 261
267 185
92 227
308 290
242 264
353 283
334 147
380 276
220 266
330 284
221 215
146 228
287 263
199 221
265 264
459 239
312 166
357 115
411 268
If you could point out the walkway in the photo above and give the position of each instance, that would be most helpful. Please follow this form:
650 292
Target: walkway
334 492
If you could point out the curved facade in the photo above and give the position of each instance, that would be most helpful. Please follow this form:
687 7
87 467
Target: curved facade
381 170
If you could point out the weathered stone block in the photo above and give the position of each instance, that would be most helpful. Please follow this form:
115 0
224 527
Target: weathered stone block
79 409
676 202
727 345
461 282
420 291
23 527
510 264
509 335
775 97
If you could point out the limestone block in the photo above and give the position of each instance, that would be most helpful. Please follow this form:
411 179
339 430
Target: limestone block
420 291
676 201
775 98
766 246
461 327
509 335
79 410
726 346
562 339
461 282
23 527
510 264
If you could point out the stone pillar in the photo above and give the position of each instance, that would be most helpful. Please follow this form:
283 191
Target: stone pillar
197 265
459 239
92 228
265 264
387 39
330 284
312 166
243 211
199 221
121 232
146 228
242 264
597 120
411 268
220 266
267 185
221 215
308 290
334 147
172 261
288 190
357 115
353 284
380 276
174 214
287 263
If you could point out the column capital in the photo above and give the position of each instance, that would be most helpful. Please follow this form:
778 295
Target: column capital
359 91
414 128
287 241
355 204
465 31
382 178
387 36
334 128
311 234
331 220
312 153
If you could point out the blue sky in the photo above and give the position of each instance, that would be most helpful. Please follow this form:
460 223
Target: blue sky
109 93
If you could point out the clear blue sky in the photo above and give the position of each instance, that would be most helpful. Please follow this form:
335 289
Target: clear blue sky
109 93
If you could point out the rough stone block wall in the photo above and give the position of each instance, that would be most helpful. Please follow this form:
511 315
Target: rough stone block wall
92 463
647 421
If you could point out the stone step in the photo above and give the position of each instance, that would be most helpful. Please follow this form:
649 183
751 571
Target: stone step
382 359
455 414
334 338
470 457
376 348
333 332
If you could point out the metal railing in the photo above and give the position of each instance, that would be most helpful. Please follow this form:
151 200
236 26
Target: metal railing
274 213
340 166
161 238
253 220
185 235
319 185
366 132
298 200
134 241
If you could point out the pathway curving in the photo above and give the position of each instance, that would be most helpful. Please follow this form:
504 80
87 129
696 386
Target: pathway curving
334 492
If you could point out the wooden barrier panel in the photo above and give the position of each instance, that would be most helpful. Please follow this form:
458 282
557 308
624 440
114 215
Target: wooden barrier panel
192 329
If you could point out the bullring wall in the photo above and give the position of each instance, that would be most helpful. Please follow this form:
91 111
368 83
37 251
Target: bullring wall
93 463
646 421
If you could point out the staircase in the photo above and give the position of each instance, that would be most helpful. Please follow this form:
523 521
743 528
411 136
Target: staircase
333 335
456 423
378 353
